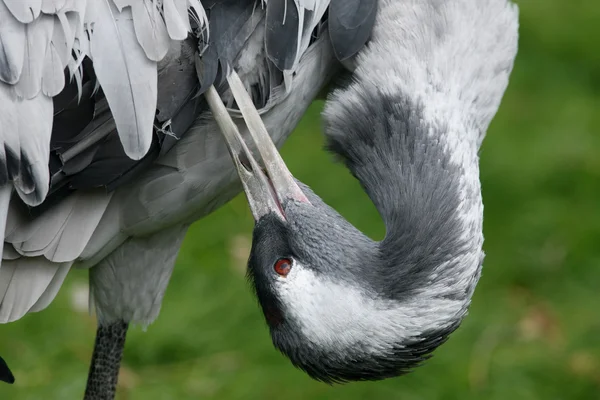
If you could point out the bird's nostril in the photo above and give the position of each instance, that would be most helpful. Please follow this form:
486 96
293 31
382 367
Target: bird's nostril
245 162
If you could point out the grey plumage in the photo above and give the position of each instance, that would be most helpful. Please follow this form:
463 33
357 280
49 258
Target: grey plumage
283 20
408 125
89 194
350 23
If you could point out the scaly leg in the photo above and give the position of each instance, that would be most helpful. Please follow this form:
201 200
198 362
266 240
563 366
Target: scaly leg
106 361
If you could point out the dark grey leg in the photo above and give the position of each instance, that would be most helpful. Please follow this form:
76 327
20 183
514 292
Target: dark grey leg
106 361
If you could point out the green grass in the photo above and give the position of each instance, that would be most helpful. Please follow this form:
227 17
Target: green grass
534 327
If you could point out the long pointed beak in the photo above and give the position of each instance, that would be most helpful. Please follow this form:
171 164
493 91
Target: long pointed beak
266 194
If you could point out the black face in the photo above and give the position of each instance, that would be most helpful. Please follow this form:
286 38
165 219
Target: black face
270 244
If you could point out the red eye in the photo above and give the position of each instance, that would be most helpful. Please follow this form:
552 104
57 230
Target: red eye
283 266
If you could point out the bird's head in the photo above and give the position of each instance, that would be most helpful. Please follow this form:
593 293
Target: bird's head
310 271
339 305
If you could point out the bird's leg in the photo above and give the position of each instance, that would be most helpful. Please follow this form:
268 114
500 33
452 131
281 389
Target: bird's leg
106 361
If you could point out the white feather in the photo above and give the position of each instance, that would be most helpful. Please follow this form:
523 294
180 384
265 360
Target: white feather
52 6
25 281
195 6
12 46
40 38
63 37
52 288
37 36
176 18
307 4
150 29
35 135
29 137
24 10
319 7
128 78
53 79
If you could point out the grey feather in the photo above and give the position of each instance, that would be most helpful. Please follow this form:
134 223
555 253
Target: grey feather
52 288
281 37
61 233
35 234
79 227
350 25
24 281
9 252
207 68
6 273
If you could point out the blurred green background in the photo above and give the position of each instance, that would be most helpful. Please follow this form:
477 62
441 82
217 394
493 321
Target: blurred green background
534 327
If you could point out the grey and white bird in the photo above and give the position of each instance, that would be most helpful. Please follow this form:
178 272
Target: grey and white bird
108 150
409 127
135 156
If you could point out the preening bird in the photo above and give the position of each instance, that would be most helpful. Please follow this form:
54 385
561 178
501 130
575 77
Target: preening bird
107 170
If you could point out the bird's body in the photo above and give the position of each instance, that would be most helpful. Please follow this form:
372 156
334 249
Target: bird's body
121 211
190 180
408 126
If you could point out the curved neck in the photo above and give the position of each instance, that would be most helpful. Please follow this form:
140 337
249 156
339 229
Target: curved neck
423 177
409 128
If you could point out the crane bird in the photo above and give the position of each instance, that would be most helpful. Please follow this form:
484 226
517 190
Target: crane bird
123 183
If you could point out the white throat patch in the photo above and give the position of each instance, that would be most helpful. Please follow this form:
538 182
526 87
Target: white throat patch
338 317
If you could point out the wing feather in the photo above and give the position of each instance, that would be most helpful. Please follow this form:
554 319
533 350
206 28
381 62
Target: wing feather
25 281
128 78
125 38
6 273
26 141
53 78
350 25
37 234
9 252
25 11
52 288
80 226
150 29
63 37
12 46
176 18
290 24
37 36
53 6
